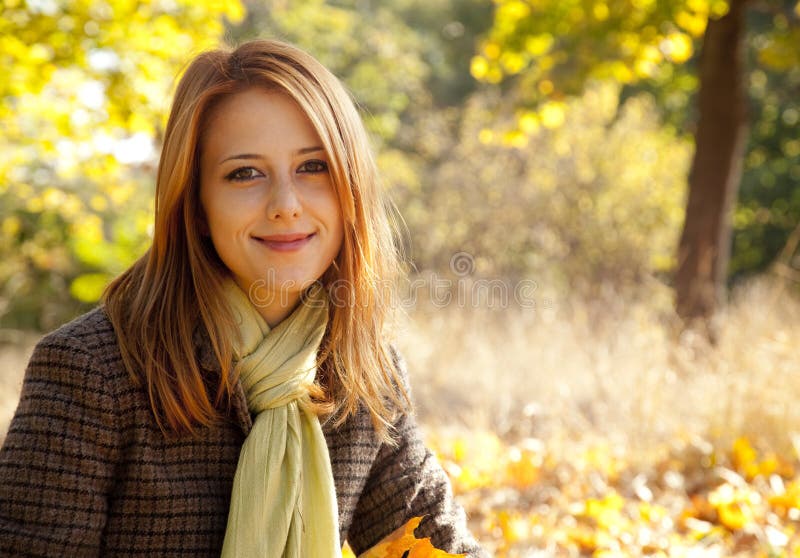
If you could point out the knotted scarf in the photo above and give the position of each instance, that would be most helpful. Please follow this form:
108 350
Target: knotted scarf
283 502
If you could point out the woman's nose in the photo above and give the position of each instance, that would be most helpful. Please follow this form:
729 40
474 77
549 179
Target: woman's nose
283 200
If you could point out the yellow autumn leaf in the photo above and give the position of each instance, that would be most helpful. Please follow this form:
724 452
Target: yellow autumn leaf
733 516
396 543
744 457
514 526
402 540
423 548
786 503
605 511
584 537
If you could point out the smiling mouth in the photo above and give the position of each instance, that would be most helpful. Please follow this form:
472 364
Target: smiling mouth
284 242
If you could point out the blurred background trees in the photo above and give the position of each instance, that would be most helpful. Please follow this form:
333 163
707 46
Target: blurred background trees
551 50
82 103
550 140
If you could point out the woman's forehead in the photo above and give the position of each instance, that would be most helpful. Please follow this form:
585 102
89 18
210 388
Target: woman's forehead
259 116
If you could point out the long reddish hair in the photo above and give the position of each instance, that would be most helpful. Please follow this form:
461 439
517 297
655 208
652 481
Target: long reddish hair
157 305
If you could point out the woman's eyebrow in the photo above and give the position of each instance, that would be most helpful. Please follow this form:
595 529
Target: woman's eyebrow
241 156
250 156
313 149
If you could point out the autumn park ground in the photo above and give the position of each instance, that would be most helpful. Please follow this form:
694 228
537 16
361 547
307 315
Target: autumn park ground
580 429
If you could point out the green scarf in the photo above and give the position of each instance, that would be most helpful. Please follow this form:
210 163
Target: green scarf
283 502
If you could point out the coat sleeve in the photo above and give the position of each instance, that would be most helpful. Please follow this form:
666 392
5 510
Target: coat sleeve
407 481
57 460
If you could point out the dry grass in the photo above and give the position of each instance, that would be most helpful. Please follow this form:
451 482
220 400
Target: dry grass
611 371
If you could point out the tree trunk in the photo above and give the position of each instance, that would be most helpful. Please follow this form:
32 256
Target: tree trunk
716 171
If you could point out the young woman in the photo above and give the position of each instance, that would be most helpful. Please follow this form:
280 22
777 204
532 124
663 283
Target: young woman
234 394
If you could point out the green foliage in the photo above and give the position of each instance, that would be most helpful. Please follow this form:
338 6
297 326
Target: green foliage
769 200
83 100
543 52
596 202
554 46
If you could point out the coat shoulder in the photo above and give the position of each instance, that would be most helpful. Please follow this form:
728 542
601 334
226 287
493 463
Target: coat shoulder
91 332
84 351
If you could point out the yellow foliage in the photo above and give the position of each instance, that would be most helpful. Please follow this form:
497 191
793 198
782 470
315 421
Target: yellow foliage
719 8
512 62
692 23
523 468
494 75
11 226
486 136
616 70
787 500
746 461
737 508
509 12
78 85
545 87
585 538
478 67
744 456
600 11
539 45
88 287
677 47
515 139
600 458
605 511
491 50
470 461
513 525
552 114
780 52
529 122
98 203
644 68
651 54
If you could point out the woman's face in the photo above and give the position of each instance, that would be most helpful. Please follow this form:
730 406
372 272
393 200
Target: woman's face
269 201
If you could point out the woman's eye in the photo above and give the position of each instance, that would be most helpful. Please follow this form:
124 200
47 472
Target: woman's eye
313 167
243 174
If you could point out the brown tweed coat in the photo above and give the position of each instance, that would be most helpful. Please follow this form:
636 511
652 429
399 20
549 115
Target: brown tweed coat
85 470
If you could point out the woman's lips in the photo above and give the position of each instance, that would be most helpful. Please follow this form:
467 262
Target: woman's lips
285 242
